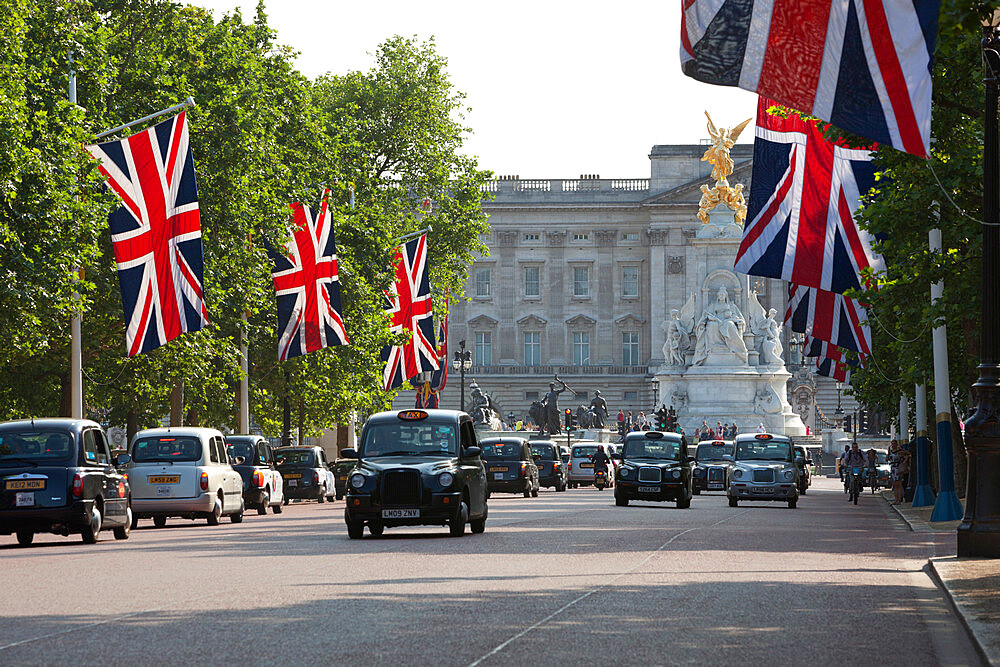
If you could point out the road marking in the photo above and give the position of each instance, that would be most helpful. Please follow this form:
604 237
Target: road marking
586 595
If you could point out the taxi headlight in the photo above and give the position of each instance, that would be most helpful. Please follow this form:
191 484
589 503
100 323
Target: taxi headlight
788 474
699 472
737 473
358 480
624 472
675 473
445 479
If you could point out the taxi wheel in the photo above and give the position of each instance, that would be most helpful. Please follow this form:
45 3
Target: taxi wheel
684 503
213 518
375 528
135 521
355 530
339 496
25 537
621 501
733 502
284 502
159 521
534 492
696 492
456 526
238 517
121 532
322 495
264 502
794 501
92 530
279 507
527 493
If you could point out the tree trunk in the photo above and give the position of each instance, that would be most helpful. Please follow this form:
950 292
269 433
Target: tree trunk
131 425
301 419
192 417
177 403
286 417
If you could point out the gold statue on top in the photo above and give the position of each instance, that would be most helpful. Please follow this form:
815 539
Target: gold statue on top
722 166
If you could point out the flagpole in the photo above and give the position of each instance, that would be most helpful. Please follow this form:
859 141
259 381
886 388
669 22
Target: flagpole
244 378
189 102
406 237
923 496
76 326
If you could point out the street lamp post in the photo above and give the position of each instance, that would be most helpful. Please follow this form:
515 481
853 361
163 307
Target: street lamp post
979 533
839 411
461 363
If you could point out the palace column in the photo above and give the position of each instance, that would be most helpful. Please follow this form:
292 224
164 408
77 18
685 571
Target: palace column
657 293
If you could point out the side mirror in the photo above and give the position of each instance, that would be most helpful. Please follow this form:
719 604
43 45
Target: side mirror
470 452
689 459
349 453
618 456
122 459
727 457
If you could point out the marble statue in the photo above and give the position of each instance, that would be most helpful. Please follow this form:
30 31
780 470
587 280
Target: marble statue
769 332
721 326
599 410
678 398
483 412
678 331
766 401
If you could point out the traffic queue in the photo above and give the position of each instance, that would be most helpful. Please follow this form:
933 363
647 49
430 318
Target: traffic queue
411 467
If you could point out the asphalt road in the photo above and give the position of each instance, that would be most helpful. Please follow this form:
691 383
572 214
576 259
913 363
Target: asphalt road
565 577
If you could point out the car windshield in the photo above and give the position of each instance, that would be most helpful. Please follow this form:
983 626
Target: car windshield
241 450
763 450
584 452
421 438
346 465
296 457
882 457
546 452
36 446
166 448
667 450
497 450
712 452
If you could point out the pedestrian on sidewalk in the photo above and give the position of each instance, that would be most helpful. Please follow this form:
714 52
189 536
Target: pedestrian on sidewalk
899 465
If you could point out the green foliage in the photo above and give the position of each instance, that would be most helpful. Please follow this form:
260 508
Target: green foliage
263 136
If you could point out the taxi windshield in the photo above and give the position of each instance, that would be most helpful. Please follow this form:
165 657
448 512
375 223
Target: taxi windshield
584 452
510 451
240 450
543 451
37 446
295 457
667 450
763 450
712 452
166 448
409 439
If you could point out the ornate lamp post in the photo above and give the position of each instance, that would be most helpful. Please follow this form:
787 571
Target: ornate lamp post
979 533
462 362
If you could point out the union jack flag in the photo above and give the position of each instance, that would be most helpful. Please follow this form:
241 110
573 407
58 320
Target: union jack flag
825 316
307 285
409 306
863 65
429 393
814 347
156 233
803 196
831 368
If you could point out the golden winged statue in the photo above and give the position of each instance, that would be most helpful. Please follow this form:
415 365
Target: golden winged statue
722 166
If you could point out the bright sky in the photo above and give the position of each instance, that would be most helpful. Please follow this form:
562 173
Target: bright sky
556 89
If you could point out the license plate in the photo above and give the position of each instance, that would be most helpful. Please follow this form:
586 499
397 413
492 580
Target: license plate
762 489
293 475
495 469
25 484
498 475
292 482
649 489
715 485
163 492
586 465
343 478
25 499
400 514
164 479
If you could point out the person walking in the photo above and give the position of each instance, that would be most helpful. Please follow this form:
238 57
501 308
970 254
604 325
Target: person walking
899 467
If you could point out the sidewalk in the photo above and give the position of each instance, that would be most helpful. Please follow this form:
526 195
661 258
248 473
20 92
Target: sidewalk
972 585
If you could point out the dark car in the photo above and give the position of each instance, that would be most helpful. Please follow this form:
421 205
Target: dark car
803 461
655 466
552 469
416 468
57 477
306 473
252 458
510 466
711 467
342 470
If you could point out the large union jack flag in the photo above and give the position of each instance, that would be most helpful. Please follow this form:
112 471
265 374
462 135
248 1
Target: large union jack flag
803 197
863 65
429 393
831 368
156 233
814 347
307 285
825 316
409 307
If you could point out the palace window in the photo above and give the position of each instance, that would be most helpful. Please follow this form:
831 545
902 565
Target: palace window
630 236
531 281
531 395
482 282
581 348
532 348
581 237
484 348
631 396
630 348
581 281
630 282
531 237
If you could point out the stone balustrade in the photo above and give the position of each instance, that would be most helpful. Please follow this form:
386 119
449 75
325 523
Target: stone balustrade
612 186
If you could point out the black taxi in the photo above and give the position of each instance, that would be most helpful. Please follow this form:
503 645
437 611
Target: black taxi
511 466
712 461
416 467
56 476
655 466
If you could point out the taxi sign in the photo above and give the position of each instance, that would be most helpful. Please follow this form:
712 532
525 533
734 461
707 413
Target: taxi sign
653 435
763 436
412 415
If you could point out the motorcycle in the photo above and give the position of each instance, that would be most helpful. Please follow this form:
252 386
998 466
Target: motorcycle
600 480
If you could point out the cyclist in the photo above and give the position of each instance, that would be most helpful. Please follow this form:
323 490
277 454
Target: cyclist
843 456
853 458
871 466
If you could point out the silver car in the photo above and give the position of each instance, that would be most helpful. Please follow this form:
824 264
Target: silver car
764 468
182 472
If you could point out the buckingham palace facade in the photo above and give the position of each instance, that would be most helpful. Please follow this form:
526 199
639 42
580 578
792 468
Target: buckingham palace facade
580 276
